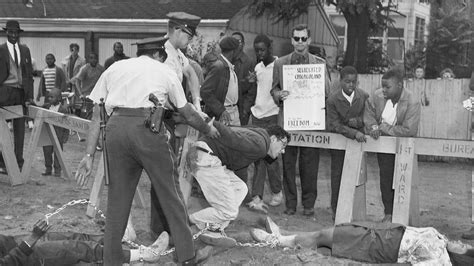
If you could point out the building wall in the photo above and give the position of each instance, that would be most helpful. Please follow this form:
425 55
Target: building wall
51 35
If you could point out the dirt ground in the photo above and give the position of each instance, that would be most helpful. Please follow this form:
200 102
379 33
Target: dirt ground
445 203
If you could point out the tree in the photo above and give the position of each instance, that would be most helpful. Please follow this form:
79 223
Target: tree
363 17
450 34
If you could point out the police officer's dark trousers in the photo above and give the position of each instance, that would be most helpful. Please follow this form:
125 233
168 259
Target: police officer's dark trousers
131 148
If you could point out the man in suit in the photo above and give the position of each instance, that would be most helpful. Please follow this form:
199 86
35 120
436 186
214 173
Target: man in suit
16 83
309 157
220 90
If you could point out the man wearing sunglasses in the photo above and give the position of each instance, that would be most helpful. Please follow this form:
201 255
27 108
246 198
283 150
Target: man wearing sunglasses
309 157
213 162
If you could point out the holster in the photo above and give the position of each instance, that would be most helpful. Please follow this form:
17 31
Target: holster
155 121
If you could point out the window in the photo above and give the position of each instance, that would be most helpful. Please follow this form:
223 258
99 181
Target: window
419 31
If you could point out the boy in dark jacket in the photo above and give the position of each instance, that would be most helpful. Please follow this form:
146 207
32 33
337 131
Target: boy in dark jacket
213 162
54 103
345 110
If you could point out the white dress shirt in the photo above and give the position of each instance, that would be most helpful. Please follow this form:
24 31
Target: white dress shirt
11 48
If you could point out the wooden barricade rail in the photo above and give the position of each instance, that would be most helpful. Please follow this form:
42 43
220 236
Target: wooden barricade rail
44 134
352 197
6 143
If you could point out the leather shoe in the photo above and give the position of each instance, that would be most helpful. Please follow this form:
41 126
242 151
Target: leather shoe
308 212
57 174
47 173
289 211
217 239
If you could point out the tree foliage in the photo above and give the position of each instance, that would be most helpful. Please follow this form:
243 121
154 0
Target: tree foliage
364 17
450 32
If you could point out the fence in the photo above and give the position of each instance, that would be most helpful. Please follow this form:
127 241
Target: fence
442 113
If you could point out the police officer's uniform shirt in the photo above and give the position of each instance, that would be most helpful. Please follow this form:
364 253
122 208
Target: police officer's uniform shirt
176 59
128 83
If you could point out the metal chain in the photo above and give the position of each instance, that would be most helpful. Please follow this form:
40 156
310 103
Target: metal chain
271 242
102 215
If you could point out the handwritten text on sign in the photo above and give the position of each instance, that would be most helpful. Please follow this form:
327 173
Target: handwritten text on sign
304 109
403 172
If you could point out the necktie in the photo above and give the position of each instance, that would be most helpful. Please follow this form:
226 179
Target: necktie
16 55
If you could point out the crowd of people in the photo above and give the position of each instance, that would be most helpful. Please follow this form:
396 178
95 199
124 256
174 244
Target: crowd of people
236 103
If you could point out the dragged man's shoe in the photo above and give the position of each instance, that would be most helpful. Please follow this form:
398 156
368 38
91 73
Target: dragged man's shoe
289 211
57 173
47 173
217 239
277 198
271 226
308 212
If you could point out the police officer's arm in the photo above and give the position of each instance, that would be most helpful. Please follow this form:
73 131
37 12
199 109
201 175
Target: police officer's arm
85 166
194 119
192 83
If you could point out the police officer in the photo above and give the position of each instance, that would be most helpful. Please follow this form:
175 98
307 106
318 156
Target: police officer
132 147
181 30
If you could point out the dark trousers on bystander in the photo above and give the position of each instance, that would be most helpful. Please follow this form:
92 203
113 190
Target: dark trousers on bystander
48 152
387 167
308 166
337 163
14 96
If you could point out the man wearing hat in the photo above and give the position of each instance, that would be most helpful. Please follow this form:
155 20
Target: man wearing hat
181 30
220 90
132 146
16 83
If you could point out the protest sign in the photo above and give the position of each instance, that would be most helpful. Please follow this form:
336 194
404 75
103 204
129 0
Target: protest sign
304 109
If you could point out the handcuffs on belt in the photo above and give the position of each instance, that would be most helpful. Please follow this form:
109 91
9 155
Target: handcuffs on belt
155 119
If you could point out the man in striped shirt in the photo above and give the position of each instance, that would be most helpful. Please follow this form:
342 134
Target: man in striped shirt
52 77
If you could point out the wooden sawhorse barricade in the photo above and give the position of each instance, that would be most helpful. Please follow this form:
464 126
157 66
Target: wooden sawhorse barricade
43 134
6 143
352 194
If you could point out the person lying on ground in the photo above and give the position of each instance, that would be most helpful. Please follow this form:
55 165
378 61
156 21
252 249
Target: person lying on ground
212 162
374 243
54 248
